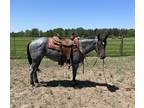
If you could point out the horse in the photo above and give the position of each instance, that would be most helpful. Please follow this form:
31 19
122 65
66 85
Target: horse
38 48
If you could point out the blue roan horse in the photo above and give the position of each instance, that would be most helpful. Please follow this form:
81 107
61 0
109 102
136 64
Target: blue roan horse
38 48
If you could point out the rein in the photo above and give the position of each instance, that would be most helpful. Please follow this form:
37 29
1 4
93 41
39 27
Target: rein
109 73
104 71
103 67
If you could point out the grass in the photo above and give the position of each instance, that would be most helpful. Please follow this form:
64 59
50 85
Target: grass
18 47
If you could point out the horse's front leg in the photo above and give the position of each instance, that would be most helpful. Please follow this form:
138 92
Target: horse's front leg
74 70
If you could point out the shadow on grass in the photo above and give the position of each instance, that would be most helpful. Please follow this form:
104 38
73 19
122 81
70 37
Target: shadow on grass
79 85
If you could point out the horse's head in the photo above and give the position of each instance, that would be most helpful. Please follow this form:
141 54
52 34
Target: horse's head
101 46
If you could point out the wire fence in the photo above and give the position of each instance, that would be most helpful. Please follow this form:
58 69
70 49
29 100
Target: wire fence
115 47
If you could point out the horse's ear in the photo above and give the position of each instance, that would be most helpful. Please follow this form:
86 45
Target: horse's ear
98 36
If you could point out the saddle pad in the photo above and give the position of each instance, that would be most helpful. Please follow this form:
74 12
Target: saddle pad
52 45
50 42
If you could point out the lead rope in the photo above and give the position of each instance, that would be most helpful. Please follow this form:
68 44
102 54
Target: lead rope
104 72
103 65
103 68
110 74
95 61
83 66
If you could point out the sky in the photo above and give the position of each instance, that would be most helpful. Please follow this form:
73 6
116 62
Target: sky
89 14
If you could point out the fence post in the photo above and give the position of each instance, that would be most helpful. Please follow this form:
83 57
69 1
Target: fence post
14 48
121 45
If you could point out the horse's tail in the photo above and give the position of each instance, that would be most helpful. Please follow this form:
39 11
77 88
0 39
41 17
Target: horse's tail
28 54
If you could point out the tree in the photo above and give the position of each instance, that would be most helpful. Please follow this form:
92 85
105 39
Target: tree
12 34
131 33
35 32
20 34
28 33
80 31
60 31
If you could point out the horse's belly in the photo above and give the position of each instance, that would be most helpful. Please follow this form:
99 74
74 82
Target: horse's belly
53 54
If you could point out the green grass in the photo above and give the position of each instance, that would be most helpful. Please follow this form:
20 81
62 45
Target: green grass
18 47
113 47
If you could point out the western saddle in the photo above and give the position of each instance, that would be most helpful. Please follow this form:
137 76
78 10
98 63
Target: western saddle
66 46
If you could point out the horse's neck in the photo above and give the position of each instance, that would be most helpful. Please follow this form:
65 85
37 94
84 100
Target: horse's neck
87 45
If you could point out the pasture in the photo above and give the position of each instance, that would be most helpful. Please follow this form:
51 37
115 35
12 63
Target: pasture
57 91
114 48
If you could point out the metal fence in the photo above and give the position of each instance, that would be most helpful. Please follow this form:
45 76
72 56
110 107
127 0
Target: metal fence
115 47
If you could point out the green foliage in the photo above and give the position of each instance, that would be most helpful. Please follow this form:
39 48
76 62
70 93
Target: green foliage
81 32
35 32
130 33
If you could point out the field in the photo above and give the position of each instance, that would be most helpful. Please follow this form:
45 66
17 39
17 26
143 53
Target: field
18 47
91 92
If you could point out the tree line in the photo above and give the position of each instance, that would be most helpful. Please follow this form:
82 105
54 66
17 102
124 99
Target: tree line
81 32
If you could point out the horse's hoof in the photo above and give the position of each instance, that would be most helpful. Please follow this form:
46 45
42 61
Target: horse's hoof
37 85
38 70
32 83
36 81
33 86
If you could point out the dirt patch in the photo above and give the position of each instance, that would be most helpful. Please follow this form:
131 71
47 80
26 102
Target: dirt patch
57 90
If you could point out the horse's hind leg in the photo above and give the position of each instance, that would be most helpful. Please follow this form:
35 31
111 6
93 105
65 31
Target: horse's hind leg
35 66
35 73
32 76
35 77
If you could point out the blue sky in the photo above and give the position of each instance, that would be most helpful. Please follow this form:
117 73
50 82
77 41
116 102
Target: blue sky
50 14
